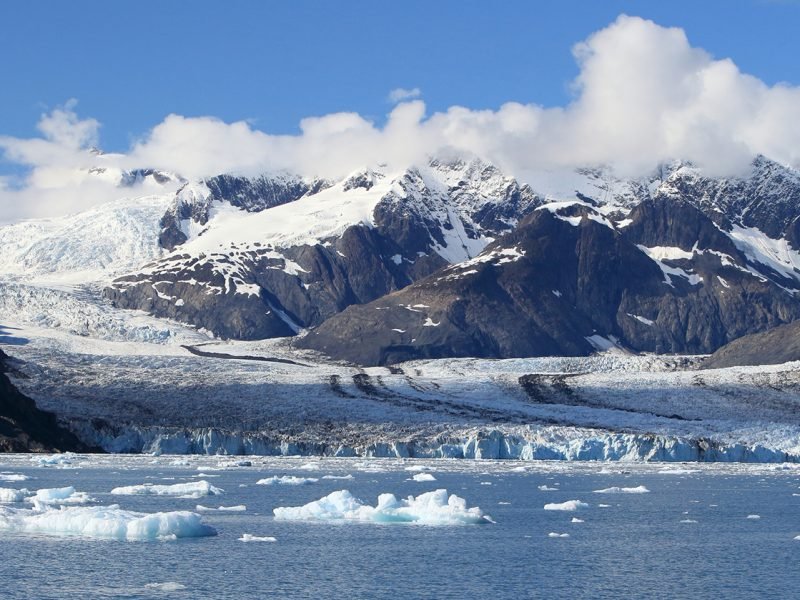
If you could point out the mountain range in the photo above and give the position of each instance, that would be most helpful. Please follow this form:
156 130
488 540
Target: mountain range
450 258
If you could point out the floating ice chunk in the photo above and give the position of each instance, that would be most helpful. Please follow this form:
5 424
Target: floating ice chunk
670 471
287 480
797 537
430 508
423 477
237 508
604 506
167 586
246 537
546 488
62 496
13 477
10 495
754 517
417 468
518 470
570 505
345 477
67 458
623 490
104 522
194 489
688 521
178 462
310 467
486 483
576 520
504 503
552 534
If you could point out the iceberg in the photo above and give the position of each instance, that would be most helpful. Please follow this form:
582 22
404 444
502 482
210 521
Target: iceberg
286 480
195 489
431 508
110 522
623 490
570 505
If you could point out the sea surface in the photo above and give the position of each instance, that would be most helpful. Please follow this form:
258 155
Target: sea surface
700 531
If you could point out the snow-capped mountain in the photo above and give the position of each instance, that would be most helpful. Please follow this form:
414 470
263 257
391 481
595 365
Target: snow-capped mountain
570 262
307 250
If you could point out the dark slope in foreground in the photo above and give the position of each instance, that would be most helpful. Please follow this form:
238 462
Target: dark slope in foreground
567 282
773 347
25 428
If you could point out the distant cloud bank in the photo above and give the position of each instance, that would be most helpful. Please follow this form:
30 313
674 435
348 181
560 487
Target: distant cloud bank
643 95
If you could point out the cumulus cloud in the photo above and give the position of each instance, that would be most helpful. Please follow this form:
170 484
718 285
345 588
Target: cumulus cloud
643 95
403 94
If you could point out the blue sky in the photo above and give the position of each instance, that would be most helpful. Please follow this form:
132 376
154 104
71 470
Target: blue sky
130 64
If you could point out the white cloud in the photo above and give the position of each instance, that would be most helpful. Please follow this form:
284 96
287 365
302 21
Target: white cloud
403 94
643 95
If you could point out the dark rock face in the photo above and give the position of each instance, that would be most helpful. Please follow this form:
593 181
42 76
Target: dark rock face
561 279
773 347
25 428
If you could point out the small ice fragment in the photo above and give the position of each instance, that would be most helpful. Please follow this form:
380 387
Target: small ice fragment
604 505
421 477
346 477
688 521
576 520
570 505
754 517
546 488
167 586
237 508
504 503
246 537
286 480
552 534
13 477
623 490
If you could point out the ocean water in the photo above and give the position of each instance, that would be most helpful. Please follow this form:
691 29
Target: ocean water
688 536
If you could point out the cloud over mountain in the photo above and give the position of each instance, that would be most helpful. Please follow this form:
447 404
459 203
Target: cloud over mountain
643 95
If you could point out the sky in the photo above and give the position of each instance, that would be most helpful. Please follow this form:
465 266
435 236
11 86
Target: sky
246 86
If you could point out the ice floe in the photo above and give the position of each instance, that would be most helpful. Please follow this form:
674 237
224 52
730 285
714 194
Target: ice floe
104 522
343 477
195 489
60 496
570 505
430 508
237 508
246 537
546 488
10 495
754 517
287 480
421 477
576 520
13 477
623 490
553 534
688 521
